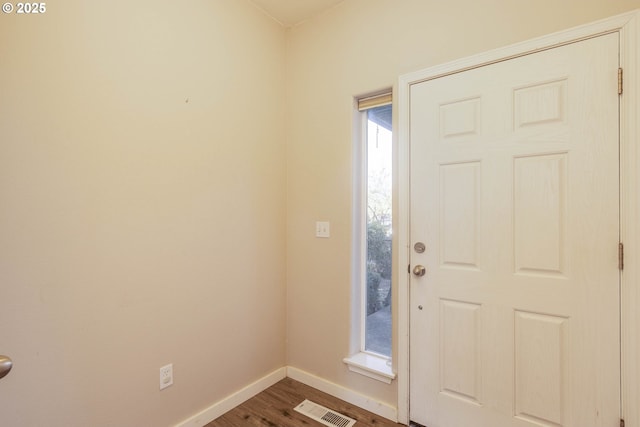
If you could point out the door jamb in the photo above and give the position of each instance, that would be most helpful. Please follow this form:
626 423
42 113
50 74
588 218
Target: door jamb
627 25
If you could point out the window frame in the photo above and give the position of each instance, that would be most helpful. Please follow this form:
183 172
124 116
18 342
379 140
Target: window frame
370 364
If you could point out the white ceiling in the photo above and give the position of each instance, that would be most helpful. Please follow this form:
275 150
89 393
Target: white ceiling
292 12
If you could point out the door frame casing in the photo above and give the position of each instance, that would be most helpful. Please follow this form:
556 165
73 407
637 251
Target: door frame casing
627 25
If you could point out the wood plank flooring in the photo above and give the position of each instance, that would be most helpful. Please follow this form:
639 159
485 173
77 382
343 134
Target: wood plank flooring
274 408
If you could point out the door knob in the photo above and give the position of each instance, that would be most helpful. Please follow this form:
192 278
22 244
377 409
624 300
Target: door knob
419 270
5 365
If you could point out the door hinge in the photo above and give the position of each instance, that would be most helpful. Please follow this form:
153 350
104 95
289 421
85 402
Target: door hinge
621 422
619 81
620 256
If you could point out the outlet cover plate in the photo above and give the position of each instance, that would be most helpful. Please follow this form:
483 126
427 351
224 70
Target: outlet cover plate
166 376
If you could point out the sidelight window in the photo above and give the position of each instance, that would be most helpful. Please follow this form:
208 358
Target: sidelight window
373 237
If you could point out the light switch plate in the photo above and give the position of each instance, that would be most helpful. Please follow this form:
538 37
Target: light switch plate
323 229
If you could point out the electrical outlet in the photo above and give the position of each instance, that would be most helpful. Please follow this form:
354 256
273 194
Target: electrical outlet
166 376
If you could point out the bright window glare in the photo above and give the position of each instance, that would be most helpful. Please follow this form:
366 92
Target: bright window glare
379 188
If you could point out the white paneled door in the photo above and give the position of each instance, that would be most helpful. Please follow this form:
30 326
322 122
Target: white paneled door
515 195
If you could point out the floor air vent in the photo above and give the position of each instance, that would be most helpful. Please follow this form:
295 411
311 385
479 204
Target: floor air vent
323 415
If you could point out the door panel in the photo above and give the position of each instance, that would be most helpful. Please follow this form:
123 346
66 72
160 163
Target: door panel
515 192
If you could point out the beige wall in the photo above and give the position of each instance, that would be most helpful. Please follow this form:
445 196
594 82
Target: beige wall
143 195
142 208
358 47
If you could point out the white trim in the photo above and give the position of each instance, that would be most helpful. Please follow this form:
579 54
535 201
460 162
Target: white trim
371 365
627 25
550 41
630 220
360 228
225 405
357 343
228 403
355 398
403 191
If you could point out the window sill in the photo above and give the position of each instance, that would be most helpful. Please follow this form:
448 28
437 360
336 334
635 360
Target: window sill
372 366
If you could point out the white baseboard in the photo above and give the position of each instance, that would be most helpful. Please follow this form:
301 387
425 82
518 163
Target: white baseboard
365 402
225 405
228 403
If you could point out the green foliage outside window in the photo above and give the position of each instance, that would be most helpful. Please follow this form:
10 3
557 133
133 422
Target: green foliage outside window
378 264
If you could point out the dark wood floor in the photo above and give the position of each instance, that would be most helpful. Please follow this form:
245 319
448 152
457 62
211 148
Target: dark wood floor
274 408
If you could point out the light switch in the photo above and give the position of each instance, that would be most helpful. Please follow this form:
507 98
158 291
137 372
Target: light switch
322 229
